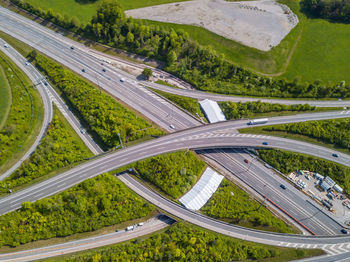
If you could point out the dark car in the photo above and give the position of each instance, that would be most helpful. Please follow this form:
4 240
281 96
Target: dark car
104 70
83 70
45 83
246 161
265 143
283 186
344 231
335 155
72 47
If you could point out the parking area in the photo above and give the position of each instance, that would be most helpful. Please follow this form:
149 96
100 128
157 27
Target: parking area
324 191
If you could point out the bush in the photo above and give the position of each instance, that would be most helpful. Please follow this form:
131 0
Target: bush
93 204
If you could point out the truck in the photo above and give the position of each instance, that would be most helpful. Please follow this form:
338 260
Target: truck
258 121
129 228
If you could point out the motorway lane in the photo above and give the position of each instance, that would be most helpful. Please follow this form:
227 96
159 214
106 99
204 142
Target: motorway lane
32 74
150 226
267 183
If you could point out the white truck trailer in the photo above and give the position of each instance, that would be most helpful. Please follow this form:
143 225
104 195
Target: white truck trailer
258 121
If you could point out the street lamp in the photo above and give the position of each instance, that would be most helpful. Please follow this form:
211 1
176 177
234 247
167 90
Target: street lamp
120 141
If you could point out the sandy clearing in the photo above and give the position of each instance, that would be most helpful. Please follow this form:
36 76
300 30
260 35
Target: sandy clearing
259 24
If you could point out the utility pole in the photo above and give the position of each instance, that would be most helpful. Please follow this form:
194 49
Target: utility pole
120 141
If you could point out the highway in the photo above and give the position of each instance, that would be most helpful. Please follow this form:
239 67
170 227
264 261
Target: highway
139 98
150 226
36 78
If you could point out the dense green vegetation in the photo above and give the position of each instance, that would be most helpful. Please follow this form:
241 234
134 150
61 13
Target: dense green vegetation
101 112
24 118
287 162
187 103
233 205
174 173
93 204
336 10
233 110
183 242
200 66
335 131
5 99
59 148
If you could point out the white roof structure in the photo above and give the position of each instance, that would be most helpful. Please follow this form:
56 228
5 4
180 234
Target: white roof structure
212 111
338 188
202 190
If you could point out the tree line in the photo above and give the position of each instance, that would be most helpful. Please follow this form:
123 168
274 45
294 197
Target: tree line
88 206
57 149
201 66
239 110
103 114
336 10
335 131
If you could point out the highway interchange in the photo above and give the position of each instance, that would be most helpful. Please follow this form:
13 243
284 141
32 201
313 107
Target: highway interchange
159 111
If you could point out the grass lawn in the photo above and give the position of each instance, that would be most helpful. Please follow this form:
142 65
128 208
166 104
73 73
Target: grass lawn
5 98
84 11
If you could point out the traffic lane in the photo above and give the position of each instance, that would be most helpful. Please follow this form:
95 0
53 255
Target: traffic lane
258 179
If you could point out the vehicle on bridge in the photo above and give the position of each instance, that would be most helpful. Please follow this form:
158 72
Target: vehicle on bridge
258 121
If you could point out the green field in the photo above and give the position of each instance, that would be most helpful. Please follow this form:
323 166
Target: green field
5 98
84 10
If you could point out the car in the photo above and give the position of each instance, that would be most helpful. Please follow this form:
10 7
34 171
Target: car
83 70
101 63
265 143
104 70
122 79
10 191
27 63
246 161
339 99
72 47
116 230
6 45
45 83
172 126
335 155
83 131
344 231
283 186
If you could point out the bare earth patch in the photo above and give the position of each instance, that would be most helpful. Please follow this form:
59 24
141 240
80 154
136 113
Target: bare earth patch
259 24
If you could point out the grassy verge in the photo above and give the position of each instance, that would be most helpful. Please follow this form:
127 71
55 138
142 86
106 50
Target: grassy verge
161 82
60 147
187 103
287 162
231 204
332 133
24 119
184 240
5 99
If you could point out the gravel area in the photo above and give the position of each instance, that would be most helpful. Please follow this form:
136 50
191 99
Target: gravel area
258 24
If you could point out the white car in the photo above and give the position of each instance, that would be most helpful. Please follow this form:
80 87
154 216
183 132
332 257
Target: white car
122 79
6 45
83 131
172 126
27 63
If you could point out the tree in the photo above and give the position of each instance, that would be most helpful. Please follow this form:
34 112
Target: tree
172 57
147 72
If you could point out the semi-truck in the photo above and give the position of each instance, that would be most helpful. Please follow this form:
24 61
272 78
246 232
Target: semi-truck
258 121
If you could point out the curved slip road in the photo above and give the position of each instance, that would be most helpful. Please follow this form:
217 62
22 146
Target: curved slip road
36 79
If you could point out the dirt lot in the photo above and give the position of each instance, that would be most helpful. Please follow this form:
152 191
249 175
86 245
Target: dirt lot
259 24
